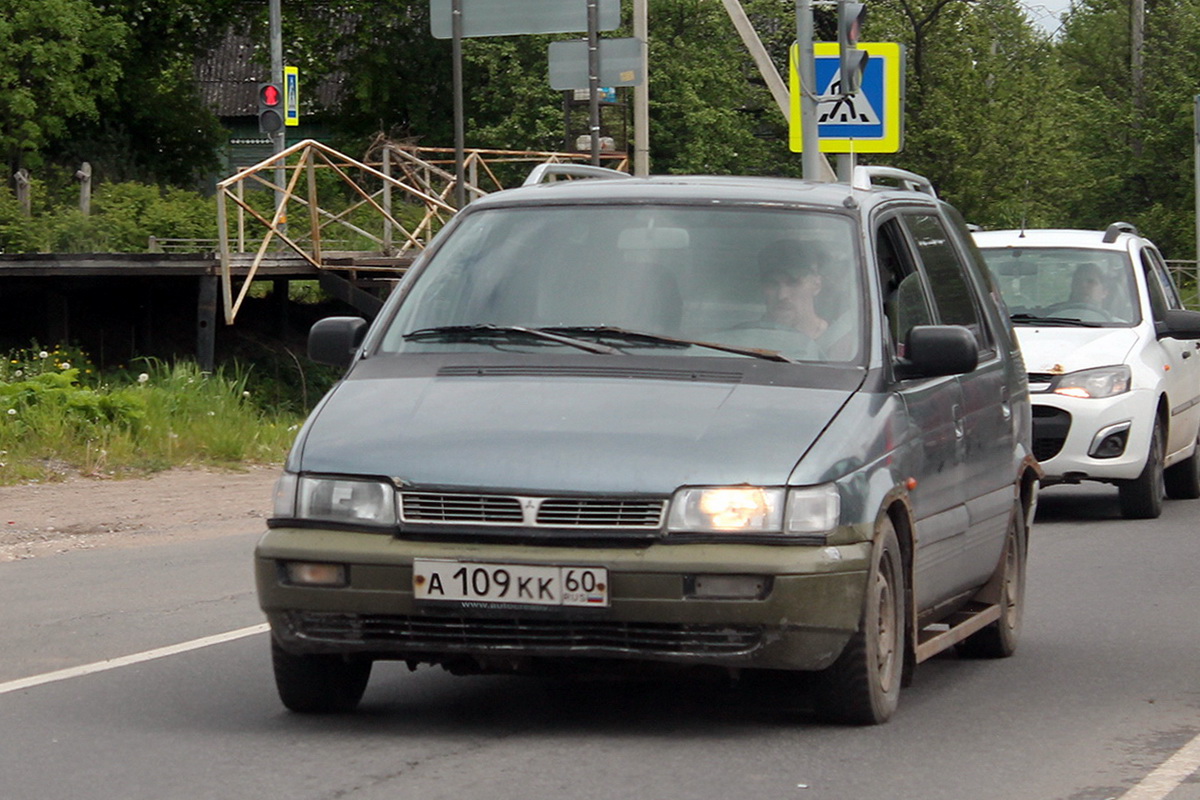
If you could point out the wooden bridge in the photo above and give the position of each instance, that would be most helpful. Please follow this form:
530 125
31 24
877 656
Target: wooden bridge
307 213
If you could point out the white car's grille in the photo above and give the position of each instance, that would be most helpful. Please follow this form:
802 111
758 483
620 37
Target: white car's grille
452 508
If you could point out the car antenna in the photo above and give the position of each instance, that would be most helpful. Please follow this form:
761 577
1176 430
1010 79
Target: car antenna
1024 209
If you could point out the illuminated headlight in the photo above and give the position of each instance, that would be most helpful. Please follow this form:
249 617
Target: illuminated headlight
754 509
335 500
1094 383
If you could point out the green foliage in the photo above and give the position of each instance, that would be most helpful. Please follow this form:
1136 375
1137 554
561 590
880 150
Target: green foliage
56 415
57 63
124 217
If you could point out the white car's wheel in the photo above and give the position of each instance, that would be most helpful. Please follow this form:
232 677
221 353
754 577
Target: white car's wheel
1142 497
1183 479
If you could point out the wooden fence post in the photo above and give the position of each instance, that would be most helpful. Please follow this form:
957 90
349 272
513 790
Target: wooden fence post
23 191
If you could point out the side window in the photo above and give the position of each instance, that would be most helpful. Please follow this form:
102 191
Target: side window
904 300
1158 281
952 293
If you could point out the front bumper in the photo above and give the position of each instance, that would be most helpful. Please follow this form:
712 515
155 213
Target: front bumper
803 621
1066 429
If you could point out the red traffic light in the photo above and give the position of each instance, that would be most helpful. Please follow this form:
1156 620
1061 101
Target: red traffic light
269 94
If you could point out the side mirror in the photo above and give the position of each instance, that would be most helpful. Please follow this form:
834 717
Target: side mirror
1179 324
334 340
932 351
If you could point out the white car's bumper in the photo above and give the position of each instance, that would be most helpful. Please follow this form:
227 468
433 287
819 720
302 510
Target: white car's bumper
1086 424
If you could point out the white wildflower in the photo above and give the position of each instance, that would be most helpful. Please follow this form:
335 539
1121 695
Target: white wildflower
43 354
143 378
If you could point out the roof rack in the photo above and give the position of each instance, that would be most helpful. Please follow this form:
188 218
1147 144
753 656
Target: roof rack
867 178
545 172
1116 229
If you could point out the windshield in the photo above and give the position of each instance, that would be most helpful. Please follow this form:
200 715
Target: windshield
1066 286
640 279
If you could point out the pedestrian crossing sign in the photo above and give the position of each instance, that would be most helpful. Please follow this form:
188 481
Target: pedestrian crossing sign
868 121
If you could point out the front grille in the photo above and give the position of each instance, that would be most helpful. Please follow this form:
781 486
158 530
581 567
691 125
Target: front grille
532 636
1050 429
431 507
600 513
542 512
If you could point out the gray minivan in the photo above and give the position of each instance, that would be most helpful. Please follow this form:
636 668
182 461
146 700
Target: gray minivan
751 423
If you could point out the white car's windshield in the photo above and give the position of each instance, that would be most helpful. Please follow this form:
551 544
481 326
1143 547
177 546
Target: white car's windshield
692 280
1066 285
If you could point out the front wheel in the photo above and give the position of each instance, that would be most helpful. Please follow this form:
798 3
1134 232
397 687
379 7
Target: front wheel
318 684
863 686
999 640
1142 497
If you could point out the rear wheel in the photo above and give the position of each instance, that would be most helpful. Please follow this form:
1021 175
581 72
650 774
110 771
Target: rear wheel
863 686
318 684
1142 497
999 640
1183 479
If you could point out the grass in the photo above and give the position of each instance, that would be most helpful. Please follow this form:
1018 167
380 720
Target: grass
59 417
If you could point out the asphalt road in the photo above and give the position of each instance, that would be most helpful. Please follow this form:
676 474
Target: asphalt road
1101 701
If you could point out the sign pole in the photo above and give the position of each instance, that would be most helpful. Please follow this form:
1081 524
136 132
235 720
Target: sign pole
460 188
593 23
806 67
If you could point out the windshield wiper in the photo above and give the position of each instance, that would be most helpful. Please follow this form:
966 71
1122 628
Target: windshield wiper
657 339
1033 319
486 330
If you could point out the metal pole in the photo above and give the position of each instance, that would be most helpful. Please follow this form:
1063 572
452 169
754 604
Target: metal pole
593 22
277 138
641 93
806 66
460 187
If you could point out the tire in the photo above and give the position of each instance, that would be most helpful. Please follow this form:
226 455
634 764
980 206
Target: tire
999 640
863 686
1182 480
318 684
1142 497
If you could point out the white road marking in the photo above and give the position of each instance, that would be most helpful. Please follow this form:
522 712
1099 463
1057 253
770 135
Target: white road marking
125 661
1172 772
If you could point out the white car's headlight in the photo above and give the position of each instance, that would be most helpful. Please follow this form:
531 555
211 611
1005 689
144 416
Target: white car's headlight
1094 383
335 500
754 509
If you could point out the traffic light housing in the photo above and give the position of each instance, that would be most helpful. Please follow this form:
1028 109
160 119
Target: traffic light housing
270 107
851 60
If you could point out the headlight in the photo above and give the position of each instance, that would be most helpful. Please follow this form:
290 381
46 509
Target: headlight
337 500
754 509
1094 383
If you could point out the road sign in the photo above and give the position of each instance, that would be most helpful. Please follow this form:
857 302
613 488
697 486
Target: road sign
868 121
620 63
517 17
291 96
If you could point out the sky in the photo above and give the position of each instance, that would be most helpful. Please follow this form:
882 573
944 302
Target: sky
1045 13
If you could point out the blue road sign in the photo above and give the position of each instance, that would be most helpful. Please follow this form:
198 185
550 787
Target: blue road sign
868 121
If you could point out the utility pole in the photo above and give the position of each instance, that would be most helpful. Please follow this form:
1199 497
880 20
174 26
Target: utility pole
1137 46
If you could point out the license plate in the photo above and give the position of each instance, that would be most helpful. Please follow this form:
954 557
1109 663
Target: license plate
502 584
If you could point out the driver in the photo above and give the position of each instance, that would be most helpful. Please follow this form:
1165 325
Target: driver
791 282
1088 286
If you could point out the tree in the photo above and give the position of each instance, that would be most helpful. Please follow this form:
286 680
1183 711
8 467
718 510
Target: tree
59 59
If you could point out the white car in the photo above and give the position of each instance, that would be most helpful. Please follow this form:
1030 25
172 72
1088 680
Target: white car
1113 360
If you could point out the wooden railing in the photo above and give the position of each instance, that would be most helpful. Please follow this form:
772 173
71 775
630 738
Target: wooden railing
391 203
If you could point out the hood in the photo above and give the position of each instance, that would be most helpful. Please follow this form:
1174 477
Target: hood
564 434
1058 350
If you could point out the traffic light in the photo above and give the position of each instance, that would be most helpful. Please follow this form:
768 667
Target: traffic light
851 60
270 108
